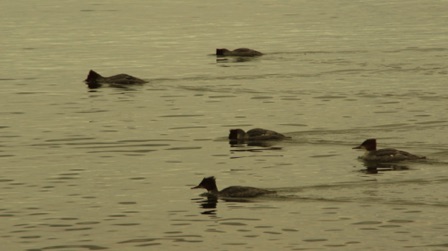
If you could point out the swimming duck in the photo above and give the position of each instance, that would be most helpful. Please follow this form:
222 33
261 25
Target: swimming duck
255 134
240 52
384 155
95 80
209 183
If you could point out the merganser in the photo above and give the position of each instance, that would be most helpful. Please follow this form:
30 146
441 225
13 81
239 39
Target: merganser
209 183
240 52
95 80
384 155
255 134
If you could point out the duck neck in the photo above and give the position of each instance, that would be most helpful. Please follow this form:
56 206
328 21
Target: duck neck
213 189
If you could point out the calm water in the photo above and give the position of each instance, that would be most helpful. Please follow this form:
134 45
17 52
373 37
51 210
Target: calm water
112 168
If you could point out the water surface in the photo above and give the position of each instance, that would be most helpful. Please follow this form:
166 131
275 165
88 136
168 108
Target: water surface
112 168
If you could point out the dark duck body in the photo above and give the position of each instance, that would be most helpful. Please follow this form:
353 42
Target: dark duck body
95 80
240 52
256 134
209 184
384 155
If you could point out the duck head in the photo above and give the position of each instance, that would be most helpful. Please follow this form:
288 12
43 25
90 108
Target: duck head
368 144
208 183
237 134
222 52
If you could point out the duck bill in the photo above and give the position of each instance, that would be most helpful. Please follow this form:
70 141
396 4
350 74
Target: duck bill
357 147
196 187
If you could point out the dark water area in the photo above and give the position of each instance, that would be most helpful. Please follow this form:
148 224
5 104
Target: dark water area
111 168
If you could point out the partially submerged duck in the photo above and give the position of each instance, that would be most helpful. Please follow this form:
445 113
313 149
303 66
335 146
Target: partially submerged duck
256 134
384 155
209 183
95 80
240 52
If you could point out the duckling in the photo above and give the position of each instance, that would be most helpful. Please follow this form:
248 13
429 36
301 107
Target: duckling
384 155
240 52
209 183
95 80
256 134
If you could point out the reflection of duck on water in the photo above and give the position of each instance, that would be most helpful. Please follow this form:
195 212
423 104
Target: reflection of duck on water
95 80
379 167
384 155
232 191
208 204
